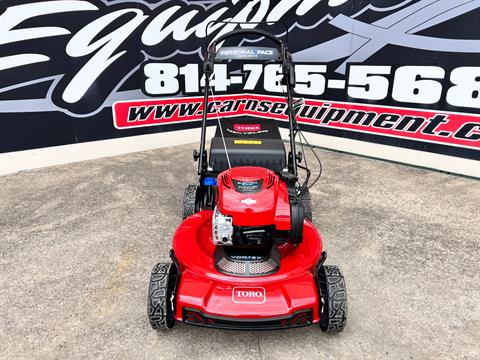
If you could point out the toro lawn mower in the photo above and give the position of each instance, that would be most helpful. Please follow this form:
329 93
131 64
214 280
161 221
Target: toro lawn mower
247 255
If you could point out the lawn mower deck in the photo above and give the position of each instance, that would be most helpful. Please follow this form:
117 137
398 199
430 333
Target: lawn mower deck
236 289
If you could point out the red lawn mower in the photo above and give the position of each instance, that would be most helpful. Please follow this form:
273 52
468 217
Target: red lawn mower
247 255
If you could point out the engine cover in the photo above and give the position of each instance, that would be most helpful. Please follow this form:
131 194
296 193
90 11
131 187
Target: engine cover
253 196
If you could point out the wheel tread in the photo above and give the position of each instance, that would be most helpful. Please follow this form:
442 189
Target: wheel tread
157 296
334 293
189 201
307 204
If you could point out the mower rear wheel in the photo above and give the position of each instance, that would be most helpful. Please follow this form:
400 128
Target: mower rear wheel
307 204
189 201
162 295
333 296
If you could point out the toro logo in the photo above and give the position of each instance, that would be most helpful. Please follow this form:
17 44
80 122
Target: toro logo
247 127
249 295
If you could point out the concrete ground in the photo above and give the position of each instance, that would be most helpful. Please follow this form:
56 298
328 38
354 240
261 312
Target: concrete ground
77 244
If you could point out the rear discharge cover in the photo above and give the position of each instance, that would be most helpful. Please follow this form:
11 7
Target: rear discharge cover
250 141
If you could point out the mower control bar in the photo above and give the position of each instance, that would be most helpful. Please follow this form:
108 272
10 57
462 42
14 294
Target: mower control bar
247 31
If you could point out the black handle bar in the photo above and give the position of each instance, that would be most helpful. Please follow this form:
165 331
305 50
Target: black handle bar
247 31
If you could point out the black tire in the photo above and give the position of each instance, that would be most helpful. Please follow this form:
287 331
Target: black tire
162 296
189 201
333 296
307 204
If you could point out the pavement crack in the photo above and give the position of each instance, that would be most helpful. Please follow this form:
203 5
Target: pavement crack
258 345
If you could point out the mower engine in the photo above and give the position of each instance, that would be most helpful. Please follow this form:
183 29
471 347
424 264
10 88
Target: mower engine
252 210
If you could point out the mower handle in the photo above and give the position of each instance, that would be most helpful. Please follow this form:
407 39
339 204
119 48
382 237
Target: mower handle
211 50
289 78
247 31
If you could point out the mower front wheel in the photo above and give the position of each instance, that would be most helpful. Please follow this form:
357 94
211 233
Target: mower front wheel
189 201
307 204
333 297
162 295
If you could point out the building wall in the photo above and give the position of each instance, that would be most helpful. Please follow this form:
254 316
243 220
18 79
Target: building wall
398 80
